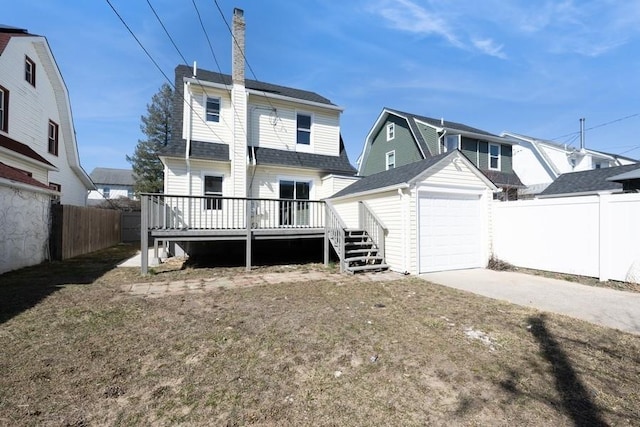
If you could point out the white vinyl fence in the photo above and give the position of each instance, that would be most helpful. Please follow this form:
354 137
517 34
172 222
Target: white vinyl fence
597 236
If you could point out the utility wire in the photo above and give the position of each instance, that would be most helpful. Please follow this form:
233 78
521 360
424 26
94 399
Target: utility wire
598 126
171 83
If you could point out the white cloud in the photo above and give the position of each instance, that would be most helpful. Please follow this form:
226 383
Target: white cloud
407 16
489 47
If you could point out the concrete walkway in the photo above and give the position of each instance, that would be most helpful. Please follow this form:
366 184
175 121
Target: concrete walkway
607 307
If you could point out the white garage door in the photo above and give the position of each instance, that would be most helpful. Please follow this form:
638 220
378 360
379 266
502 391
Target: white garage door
450 232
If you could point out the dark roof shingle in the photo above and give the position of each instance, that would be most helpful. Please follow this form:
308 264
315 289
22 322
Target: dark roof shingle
20 148
17 175
587 181
112 176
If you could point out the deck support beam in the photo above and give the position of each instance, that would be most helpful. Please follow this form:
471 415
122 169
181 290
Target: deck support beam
249 236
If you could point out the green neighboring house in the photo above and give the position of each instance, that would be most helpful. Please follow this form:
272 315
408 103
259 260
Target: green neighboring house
398 138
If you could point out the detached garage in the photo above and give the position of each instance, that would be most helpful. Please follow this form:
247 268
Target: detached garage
435 212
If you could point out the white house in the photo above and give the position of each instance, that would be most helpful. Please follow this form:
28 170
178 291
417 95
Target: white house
111 183
235 137
539 162
35 115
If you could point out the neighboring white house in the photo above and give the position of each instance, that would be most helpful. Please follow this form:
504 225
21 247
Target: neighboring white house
111 183
36 127
435 212
539 162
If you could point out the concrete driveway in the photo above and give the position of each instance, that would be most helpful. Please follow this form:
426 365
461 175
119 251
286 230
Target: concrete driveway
607 307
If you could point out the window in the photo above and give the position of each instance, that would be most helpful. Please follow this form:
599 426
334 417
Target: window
53 138
391 131
601 164
30 71
4 109
106 192
295 209
213 187
55 187
494 156
213 109
451 142
391 159
303 129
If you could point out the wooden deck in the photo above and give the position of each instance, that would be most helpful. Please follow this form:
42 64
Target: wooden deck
172 218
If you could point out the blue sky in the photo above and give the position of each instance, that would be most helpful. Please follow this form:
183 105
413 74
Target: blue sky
527 67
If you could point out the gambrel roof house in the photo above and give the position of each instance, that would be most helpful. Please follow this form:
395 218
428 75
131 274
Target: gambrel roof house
538 162
36 126
398 138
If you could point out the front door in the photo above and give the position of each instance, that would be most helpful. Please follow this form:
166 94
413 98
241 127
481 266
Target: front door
296 211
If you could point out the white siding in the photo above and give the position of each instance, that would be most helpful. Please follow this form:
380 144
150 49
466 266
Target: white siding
219 132
264 181
331 184
348 212
177 177
277 129
31 108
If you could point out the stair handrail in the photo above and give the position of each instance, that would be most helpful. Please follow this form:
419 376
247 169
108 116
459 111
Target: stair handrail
334 230
373 225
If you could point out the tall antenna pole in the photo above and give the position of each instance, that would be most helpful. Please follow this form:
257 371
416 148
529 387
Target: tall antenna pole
582 134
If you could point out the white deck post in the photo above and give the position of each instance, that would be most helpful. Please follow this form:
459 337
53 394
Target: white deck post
248 225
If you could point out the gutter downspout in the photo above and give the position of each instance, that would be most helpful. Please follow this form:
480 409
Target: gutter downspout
405 232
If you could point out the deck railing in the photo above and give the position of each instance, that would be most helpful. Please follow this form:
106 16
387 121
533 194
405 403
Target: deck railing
334 233
175 212
370 222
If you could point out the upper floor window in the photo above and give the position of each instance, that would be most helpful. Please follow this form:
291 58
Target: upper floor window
213 187
451 142
494 156
30 71
106 192
391 131
303 126
213 109
53 138
4 109
600 164
390 160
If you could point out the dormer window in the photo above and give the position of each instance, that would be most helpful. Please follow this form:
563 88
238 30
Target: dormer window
30 71
391 131
494 156
212 109
451 142
303 125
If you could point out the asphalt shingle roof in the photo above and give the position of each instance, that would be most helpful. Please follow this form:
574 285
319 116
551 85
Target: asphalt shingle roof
14 174
328 164
447 124
587 181
503 179
199 150
391 177
112 176
25 150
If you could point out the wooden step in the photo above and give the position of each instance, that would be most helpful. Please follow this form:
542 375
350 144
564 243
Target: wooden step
360 251
364 258
365 243
367 267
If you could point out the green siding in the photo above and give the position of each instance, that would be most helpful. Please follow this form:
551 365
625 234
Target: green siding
430 135
483 157
506 160
403 144
469 148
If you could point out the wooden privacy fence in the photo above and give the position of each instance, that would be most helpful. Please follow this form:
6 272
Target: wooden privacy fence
77 230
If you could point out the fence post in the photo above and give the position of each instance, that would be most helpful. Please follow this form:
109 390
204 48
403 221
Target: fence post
144 234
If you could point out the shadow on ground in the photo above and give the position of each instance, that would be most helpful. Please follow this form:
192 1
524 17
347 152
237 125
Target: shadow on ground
264 252
22 289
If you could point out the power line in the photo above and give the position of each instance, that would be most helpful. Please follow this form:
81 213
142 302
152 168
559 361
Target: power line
598 126
160 69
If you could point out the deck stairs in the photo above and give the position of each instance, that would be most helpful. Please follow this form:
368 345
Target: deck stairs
361 253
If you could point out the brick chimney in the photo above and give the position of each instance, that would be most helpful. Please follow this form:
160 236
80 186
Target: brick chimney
237 47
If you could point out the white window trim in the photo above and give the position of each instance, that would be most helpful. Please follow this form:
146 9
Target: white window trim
204 174
391 131
386 158
204 103
302 147
444 147
489 156
306 179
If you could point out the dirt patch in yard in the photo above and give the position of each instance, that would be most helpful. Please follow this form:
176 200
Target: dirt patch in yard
311 352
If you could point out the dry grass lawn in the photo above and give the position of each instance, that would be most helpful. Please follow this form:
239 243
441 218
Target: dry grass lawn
76 350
